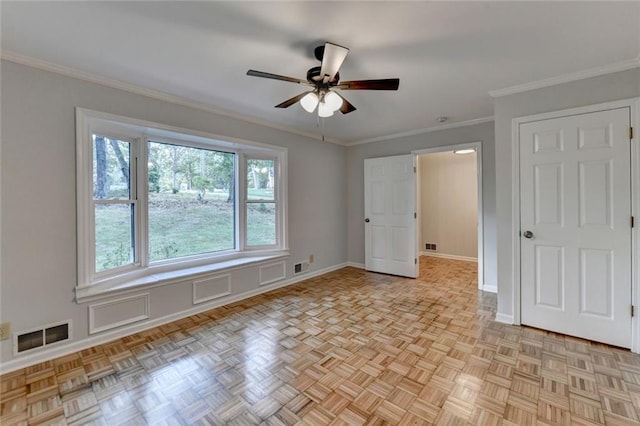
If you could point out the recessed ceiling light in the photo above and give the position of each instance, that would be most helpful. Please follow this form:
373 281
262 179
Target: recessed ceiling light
464 151
442 119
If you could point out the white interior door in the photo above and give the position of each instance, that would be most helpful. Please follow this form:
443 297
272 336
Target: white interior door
390 222
575 206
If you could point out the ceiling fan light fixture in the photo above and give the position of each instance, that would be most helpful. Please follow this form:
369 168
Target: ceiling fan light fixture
309 102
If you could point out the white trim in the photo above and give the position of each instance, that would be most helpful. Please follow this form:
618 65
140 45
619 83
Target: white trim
635 231
422 131
515 222
94 292
356 265
90 341
449 256
146 297
283 273
566 78
634 105
503 318
172 134
204 281
150 93
491 288
478 146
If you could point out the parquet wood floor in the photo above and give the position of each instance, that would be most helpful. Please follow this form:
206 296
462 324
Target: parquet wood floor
346 348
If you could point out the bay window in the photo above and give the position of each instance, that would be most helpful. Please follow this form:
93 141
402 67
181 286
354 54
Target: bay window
156 200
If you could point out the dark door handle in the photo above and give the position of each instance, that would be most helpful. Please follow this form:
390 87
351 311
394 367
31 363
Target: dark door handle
527 234
367 220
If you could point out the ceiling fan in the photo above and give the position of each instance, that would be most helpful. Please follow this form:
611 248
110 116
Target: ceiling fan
323 81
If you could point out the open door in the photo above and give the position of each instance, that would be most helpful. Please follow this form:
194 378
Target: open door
390 216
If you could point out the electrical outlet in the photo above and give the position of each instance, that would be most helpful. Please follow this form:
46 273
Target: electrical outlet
311 258
5 330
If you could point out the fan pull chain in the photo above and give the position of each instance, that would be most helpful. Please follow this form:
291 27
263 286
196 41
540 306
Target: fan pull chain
320 124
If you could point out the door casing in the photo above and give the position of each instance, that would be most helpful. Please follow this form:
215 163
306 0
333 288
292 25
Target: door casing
634 105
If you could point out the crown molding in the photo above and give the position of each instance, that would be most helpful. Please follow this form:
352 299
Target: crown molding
421 131
150 93
566 78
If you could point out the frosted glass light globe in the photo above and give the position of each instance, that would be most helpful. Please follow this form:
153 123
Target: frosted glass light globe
324 110
309 102
333 101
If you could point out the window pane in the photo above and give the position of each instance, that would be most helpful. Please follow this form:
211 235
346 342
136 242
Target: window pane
114 235
261 224
260 179
191 201
111 168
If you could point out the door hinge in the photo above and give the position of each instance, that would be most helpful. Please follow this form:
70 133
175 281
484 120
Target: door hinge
632 221
632 311
414 169
415 215
415 261
630 132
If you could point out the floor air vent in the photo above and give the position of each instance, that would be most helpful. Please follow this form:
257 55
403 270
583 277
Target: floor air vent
47 335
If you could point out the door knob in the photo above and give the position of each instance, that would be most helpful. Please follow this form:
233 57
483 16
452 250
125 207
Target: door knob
527 234
367 220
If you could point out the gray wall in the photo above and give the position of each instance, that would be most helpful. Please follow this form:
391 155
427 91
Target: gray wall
589 91
355 183
38 270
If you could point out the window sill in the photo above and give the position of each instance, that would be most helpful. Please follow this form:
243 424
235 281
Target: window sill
99 291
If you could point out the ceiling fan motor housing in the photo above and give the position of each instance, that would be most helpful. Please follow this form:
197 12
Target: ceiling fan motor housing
314 77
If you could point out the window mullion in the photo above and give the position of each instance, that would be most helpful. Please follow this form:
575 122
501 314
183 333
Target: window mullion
276 199
142 188
241 205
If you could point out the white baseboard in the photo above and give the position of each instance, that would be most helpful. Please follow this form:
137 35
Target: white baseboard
448 256
356 265
62 350
504 318
490 288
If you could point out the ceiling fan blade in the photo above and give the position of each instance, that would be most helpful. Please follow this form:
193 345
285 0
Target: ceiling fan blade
383 84
291 101
332 60
347 106
262 74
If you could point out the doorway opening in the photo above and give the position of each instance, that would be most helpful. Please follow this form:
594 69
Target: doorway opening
449 204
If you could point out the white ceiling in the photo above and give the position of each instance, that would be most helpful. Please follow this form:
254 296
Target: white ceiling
448 55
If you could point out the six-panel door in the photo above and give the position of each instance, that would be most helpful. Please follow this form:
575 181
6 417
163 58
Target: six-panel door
575 201
390 223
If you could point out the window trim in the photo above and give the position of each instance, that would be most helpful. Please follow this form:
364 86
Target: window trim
139 132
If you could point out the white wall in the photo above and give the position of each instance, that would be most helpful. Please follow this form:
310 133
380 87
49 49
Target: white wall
610 87
38 267
449 203
355 180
